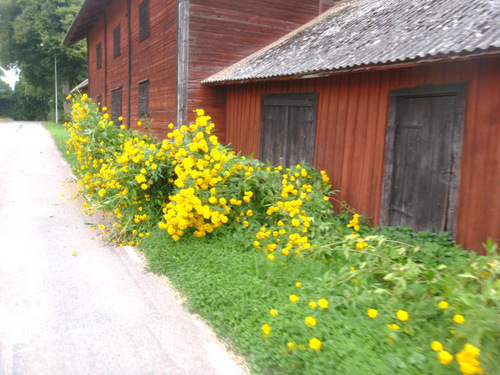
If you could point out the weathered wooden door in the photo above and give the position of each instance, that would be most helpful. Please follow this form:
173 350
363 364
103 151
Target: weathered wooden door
288 128
424 143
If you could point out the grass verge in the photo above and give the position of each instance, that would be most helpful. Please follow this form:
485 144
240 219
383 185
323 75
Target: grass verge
61 137
235 288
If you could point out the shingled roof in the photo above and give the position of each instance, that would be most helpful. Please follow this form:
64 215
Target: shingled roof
362 34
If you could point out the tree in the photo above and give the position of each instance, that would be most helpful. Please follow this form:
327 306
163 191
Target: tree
31 34
6 99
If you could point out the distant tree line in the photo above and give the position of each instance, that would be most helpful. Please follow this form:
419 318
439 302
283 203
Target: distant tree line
31 35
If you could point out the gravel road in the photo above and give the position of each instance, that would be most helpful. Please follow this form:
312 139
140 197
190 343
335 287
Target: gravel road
96 312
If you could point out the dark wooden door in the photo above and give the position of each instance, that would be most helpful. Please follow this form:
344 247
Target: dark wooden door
424 143
288 128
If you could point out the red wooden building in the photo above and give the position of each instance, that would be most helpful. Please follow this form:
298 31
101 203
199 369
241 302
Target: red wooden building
147 58
398 100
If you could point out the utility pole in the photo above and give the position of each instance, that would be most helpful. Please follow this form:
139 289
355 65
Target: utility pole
55 73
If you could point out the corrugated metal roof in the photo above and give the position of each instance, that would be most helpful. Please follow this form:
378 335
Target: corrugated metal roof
357 33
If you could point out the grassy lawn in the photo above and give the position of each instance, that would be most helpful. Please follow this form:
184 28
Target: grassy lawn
238 290
61 136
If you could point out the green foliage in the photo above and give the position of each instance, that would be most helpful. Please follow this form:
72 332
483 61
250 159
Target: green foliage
6 100
31 34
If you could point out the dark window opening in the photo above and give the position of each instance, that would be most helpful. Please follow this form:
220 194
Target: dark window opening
116 41
98 57
143 20
116 105
143 99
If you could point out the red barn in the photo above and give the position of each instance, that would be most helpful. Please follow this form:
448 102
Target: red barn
398 100
147 58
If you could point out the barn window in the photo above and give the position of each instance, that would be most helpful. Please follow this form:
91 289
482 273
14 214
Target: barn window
98 58
143 99
288 128
143 20
116 41
99 101
116 104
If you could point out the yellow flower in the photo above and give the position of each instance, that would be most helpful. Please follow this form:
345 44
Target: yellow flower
291 345
315 344
444 357
294 298
104 109
310 321
443 305
102 192
270 257
402 315
273 312
323 303
266 328
120 118
459 319
298 284
436 346
372 313
312 305
393 326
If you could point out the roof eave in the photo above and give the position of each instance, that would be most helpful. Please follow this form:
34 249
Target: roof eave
490 52
84 20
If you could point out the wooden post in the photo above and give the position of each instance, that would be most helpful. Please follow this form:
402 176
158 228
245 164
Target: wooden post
182 61
129 78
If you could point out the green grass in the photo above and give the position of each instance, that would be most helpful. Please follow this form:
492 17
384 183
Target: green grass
234 286
61 136
5 119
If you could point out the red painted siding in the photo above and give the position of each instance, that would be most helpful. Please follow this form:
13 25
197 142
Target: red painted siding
96 76
350 135
222 32
117 68
152 59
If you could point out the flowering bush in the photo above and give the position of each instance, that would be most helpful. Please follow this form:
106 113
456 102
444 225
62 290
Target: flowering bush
189 182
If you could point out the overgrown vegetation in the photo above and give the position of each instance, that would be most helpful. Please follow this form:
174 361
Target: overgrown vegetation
260 254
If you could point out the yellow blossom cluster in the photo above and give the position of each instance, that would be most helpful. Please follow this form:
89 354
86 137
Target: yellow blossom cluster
290 215
117 169
200 172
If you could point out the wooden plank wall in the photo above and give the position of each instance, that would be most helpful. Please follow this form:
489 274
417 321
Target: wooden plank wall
117 67
350 137
96 76
152 59
222 32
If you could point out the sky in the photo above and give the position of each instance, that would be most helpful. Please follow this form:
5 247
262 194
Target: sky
10 76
